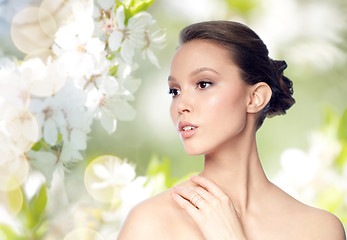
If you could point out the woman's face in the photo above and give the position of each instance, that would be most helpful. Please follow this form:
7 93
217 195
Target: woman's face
209 99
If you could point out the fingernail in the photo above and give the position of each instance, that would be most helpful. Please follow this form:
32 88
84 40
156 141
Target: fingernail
193 176
173 195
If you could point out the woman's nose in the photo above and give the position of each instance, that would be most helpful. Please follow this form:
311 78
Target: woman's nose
184 103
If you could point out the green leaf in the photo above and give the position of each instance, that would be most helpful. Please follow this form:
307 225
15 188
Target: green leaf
140 6
126 3
342 136
127 15
156 166
41 144
113 70
36 208
331 117
330 199
132 7
242 6
342 158
111 56
60 137
342 129
39 201
7 233
37 146
41 230
163 166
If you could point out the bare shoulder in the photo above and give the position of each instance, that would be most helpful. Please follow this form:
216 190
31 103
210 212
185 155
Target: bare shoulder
145 220
323 224
311 222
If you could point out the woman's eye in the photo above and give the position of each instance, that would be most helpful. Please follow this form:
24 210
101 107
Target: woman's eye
174 92
203 84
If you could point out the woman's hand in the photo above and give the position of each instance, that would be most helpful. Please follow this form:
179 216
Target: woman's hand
210 208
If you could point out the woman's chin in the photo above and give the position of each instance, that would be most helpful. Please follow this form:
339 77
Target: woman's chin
193 152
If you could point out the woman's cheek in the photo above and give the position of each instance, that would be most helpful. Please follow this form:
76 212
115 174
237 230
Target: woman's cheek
226 111
173 111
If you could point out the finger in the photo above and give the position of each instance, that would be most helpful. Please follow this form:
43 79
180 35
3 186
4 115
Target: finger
204 193
189 192
192 211
197 196
209 185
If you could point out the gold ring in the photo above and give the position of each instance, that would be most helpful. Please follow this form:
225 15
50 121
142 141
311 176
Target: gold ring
195 195
197 201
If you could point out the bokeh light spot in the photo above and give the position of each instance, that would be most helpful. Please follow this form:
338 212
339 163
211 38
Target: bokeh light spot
14 168
101 179
12 200
33 29
61 10
42 53
83 234
22 128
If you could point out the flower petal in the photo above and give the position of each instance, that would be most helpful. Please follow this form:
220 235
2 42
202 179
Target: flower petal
78 139
106 4
100 171
152 58
50 132
108 122
120 17
95 46
45 162
115 40
124 111
127 51
140 20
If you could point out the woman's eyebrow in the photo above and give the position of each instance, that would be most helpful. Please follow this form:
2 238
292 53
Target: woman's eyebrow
196 71
203 69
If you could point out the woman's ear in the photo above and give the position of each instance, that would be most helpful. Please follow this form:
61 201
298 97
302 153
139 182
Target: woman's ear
259 95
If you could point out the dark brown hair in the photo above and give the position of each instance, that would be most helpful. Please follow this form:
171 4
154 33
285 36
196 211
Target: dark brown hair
250 54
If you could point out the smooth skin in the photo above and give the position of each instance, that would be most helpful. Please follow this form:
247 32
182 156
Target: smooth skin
239 202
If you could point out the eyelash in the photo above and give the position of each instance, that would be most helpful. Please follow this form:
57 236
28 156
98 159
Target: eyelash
174 92
199 84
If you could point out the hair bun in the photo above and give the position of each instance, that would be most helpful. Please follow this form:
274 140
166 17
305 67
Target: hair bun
282 92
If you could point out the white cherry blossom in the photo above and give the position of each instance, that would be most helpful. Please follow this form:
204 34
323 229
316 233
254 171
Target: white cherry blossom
113 173
131 36
154 39
48 105
43 79
14 89
100 71
305 175
50 117
20 127
109 101
78 49
66 114
107 176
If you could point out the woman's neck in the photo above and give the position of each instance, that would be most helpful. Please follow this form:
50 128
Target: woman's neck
237 170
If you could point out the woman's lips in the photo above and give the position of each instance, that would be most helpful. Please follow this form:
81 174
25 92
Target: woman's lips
187 129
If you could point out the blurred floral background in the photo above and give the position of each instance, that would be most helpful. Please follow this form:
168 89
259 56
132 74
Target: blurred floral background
85 131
